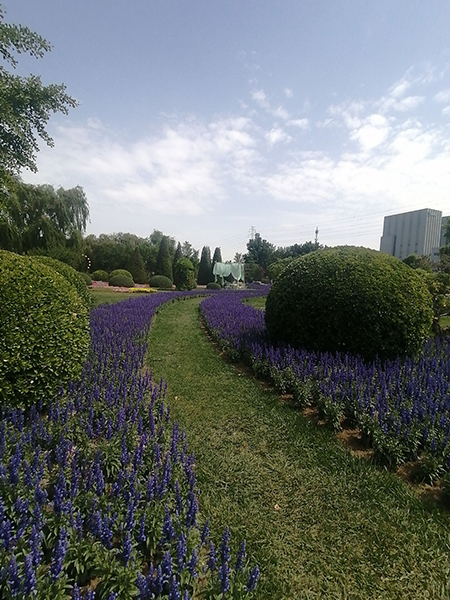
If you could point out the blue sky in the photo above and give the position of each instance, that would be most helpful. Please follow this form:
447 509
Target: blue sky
205 118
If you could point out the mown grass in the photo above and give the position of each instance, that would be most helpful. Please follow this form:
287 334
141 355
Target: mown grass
107 296
320 523
258 302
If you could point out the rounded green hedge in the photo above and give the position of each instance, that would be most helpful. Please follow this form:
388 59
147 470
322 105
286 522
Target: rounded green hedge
87 278
350 299
184 275
99 275
74 277
213 286
121 281
160 282
123 272
44 330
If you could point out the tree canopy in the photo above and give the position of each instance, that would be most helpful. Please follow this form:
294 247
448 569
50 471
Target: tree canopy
25 102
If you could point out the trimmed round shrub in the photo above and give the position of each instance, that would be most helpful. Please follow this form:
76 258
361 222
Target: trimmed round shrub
213 286
123 272
120 280
86 278
44 330
99 275
74 277
160 282
350 299
184 275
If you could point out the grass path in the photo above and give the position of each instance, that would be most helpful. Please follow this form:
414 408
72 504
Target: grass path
320 523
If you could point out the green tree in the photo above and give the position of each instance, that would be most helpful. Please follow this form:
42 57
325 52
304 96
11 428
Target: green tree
136 267
217 257
183 275
25 103
261 252
418 262
192 254
40 219
205 274
163 261
178 254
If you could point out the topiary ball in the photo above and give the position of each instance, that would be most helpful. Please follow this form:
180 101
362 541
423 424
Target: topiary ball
99 275
120 280
160 282
213 286
350 299
123 272
74 277
44 330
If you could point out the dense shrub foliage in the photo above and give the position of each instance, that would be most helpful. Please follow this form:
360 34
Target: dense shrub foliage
213 286
402 407
74 277
121 281
98 497
100 275
123 272
87 278
184 275
44 330
161 282
350 300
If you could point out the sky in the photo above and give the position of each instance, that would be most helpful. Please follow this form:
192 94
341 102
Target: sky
212 119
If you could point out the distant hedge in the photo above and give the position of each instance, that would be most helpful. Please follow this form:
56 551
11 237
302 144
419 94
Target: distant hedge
44 330
100 275
213 286
121 272
121 281
74 277
350 300
161 282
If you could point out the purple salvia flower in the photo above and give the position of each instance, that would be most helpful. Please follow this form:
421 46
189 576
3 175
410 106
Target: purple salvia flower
174 591
192 509
167 566
240 558
205 533
224 573
29 579
167 529
127 547
192 564
224 546
181 551
76 594
59 555
13 576
212 559
253 578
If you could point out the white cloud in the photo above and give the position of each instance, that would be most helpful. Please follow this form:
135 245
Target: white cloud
443 96
281 113
288 93
276 136
301 123
446 111
260 97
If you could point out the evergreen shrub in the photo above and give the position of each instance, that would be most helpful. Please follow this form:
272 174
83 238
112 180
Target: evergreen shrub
86 278
184 275
120 272
350 300
160 282
121 280
44 330
100 275
74 277
213 286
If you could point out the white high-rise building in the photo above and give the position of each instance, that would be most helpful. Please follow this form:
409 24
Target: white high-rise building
416 232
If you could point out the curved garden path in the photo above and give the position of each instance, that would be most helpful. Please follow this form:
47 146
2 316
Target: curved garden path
320 523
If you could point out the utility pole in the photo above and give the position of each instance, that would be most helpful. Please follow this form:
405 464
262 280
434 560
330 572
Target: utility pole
252 232
316 239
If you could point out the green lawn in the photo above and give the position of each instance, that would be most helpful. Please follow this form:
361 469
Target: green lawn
107 296
320 523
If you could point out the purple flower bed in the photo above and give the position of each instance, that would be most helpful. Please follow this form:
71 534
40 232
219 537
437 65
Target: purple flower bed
98 494
401 407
